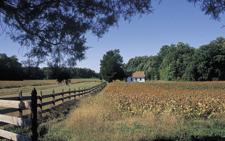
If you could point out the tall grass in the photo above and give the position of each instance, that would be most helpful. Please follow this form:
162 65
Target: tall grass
94 120
98 119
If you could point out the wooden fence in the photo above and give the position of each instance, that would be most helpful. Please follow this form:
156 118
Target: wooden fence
20 105
35 104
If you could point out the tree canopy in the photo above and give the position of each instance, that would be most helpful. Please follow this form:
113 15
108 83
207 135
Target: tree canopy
57 28
209 61
111 66
65 73
175 61
10 68
149 64
214 8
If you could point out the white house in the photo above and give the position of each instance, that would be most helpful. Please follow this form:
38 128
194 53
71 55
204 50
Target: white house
138 76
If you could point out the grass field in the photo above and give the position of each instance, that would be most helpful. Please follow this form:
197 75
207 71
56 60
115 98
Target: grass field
180 111
12 88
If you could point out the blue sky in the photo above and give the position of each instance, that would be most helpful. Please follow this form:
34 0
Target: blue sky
172 21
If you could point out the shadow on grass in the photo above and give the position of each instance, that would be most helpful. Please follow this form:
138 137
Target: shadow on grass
159 139
208 138
197 138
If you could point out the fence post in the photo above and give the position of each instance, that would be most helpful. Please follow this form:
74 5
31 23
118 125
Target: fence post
82 93
69 94
21 100
74 95
79 91
53 97
85 90
34 115
40 98
90 91
62 95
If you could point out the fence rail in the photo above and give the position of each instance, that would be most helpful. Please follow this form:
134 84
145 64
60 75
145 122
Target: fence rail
15 120
14 104
18 121
35 104
13 136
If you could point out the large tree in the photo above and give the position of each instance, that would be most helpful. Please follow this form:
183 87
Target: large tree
57 28
209 61
149 64
62 74
175 59
136 64
10 68
111 66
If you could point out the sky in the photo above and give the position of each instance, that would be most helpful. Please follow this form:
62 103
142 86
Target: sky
171 22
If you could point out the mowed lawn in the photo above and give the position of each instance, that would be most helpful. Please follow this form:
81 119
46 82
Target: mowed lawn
158 110
12 88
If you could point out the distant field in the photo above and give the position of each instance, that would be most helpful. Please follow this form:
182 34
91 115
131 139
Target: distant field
158 110
9 88
14 84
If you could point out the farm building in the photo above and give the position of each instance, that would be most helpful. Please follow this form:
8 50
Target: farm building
138 76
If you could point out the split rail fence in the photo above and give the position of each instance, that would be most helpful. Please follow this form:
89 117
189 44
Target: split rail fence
34 104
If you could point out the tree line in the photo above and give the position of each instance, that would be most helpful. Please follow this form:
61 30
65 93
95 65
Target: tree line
175 62
12 69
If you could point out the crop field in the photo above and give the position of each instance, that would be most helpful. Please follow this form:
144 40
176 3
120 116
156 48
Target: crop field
157 110
189 99
12 88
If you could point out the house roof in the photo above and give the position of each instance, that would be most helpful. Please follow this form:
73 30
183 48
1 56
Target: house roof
138 74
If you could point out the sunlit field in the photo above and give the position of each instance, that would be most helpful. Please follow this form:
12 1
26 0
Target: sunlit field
149 111
12 88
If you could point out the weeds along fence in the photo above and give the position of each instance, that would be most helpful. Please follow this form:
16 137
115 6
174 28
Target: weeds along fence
33 105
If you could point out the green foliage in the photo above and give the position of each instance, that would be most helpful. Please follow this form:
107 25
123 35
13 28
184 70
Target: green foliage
83 73
60 73
148 64
165 73
10 68
209 61
63 73
137 63
214 8
58 28
152 68
175 61
33 73
182 62
111 66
